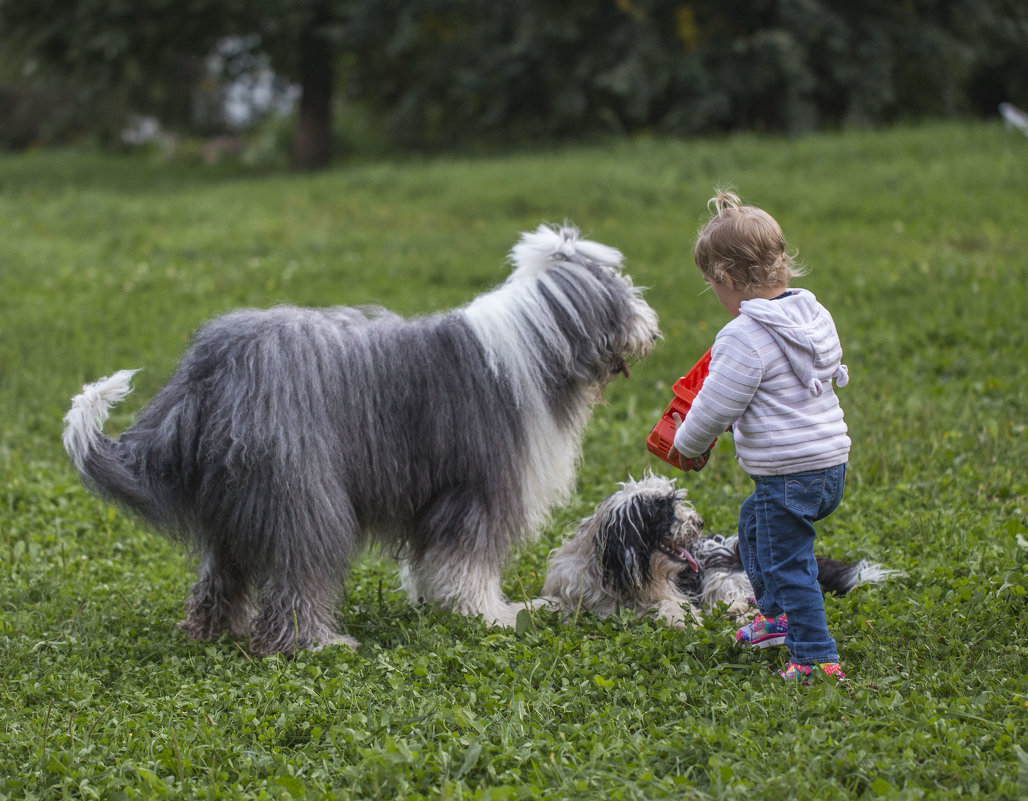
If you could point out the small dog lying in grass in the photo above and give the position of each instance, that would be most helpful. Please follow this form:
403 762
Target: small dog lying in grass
644 549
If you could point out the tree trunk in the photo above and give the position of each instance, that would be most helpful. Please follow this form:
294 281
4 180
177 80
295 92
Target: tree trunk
312 143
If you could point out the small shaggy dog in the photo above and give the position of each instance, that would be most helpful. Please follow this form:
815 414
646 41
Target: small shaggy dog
288 439
644 549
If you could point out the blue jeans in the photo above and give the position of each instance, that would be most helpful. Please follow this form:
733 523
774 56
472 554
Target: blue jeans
776 543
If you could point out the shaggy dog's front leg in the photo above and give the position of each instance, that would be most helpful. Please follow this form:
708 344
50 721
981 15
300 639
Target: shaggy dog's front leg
440 576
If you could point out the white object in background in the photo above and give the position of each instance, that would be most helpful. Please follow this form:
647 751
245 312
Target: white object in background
1014 117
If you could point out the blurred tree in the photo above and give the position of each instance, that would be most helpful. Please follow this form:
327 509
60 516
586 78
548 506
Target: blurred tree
46 108
460 70
153 52
441 72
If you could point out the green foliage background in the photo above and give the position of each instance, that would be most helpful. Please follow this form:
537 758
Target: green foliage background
444 71
916 241
430 74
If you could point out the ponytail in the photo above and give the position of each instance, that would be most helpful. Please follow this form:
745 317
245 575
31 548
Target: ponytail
724 200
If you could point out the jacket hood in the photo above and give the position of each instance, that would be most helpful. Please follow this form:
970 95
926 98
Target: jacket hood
805 332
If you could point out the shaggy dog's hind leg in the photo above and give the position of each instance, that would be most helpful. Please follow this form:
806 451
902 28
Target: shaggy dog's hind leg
303 550
219 601
292 619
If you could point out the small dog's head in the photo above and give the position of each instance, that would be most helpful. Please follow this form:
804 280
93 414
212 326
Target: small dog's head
644 535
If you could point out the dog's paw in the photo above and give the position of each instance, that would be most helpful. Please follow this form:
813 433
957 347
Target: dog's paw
506 616
740 608
337 639
200 629
678 615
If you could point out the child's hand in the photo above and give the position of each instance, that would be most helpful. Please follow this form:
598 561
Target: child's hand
672 451
688 463
695 463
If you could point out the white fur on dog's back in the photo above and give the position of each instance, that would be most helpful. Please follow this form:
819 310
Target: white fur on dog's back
89 411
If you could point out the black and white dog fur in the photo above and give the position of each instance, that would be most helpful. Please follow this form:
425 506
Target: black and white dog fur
644 549
288 439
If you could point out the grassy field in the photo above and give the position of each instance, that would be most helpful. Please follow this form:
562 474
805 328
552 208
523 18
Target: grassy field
916 239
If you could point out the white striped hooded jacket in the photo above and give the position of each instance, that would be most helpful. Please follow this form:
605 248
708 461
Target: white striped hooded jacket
771 373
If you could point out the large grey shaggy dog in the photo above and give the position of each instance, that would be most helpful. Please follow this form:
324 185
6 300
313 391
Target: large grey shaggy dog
288 439
644 549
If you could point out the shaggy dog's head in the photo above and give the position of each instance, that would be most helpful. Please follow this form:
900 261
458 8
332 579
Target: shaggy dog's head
644 537
602 323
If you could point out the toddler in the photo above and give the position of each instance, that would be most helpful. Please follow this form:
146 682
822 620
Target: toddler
770 381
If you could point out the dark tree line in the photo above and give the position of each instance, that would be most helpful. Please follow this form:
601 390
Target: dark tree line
441 72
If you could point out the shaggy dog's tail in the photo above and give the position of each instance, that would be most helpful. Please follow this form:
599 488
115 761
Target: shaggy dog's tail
841 577
104 464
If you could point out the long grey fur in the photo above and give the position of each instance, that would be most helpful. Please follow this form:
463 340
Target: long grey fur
289 438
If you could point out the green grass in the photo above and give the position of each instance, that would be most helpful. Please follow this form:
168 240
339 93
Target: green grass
916 239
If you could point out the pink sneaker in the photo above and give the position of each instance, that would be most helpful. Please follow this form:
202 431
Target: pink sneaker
801 673
763 632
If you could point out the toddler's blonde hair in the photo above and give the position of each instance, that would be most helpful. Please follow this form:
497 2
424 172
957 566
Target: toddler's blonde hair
743 243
